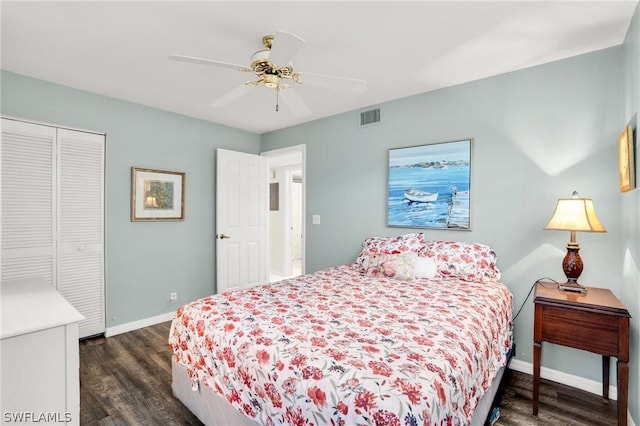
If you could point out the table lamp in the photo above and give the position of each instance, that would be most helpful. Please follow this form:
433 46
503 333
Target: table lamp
574 214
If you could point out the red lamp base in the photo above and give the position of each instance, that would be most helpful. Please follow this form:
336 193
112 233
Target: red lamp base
572 266
572 263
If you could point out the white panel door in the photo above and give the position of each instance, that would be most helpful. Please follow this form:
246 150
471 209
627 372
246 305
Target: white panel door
241 220
80 225
28 201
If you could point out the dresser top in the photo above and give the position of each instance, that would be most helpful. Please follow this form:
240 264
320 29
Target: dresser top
595 299
31 305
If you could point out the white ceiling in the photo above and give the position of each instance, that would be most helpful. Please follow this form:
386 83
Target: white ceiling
120 49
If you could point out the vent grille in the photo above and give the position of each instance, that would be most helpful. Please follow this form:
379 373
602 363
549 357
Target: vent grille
369 117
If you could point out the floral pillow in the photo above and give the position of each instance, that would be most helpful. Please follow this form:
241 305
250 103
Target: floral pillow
399 266
465 261
390 245
403 266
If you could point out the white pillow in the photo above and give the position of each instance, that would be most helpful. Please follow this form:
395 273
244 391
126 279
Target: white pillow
424 267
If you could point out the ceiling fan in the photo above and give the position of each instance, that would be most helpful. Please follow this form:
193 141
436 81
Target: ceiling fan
273 68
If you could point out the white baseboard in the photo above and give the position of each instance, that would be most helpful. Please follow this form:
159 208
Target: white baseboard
146 322
564 378
568 379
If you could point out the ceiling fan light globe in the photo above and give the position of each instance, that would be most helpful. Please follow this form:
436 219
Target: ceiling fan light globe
271 81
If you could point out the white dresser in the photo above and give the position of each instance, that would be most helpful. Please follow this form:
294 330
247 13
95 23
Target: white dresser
40 358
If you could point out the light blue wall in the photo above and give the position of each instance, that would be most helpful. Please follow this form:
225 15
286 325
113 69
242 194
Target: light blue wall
630 213
144 261
539 134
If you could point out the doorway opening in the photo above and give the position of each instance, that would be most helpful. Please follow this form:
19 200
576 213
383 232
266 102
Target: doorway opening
286 170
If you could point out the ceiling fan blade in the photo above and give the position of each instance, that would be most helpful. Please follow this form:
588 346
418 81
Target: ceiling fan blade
343 84
231 96
203 61
294 102
284 48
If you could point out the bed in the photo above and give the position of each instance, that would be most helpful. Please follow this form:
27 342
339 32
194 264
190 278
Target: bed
414 332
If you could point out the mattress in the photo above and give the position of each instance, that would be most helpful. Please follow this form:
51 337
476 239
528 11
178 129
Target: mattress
340 347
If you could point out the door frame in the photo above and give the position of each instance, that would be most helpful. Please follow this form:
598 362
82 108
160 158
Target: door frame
273 156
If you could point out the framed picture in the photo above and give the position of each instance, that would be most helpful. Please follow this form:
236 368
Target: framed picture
429 186
156 195
626 160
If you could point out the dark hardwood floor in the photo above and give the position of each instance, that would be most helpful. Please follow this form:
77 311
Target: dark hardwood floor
559 404
126 380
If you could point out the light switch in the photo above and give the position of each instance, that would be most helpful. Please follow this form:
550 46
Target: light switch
315 219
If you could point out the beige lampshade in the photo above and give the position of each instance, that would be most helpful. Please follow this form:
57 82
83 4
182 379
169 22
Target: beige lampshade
575 214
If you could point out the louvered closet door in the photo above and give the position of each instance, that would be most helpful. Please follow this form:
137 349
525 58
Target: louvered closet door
80 226
28 201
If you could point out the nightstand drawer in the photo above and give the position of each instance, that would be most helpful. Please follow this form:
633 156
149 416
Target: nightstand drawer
581 330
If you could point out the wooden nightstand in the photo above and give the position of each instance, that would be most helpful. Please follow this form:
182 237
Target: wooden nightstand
594 321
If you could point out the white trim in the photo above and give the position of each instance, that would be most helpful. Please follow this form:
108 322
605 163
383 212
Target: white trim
47 124
135 325
591 386
566 379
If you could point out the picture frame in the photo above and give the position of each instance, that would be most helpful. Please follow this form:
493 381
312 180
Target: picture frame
626 160
429 186
157 195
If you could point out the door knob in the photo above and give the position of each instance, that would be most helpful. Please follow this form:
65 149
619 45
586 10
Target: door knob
222 236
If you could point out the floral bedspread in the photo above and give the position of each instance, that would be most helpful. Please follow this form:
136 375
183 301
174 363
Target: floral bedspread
336 347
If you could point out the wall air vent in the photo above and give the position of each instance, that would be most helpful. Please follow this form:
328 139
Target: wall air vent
370 117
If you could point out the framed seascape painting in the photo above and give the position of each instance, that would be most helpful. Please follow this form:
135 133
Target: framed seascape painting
156 195
429 186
